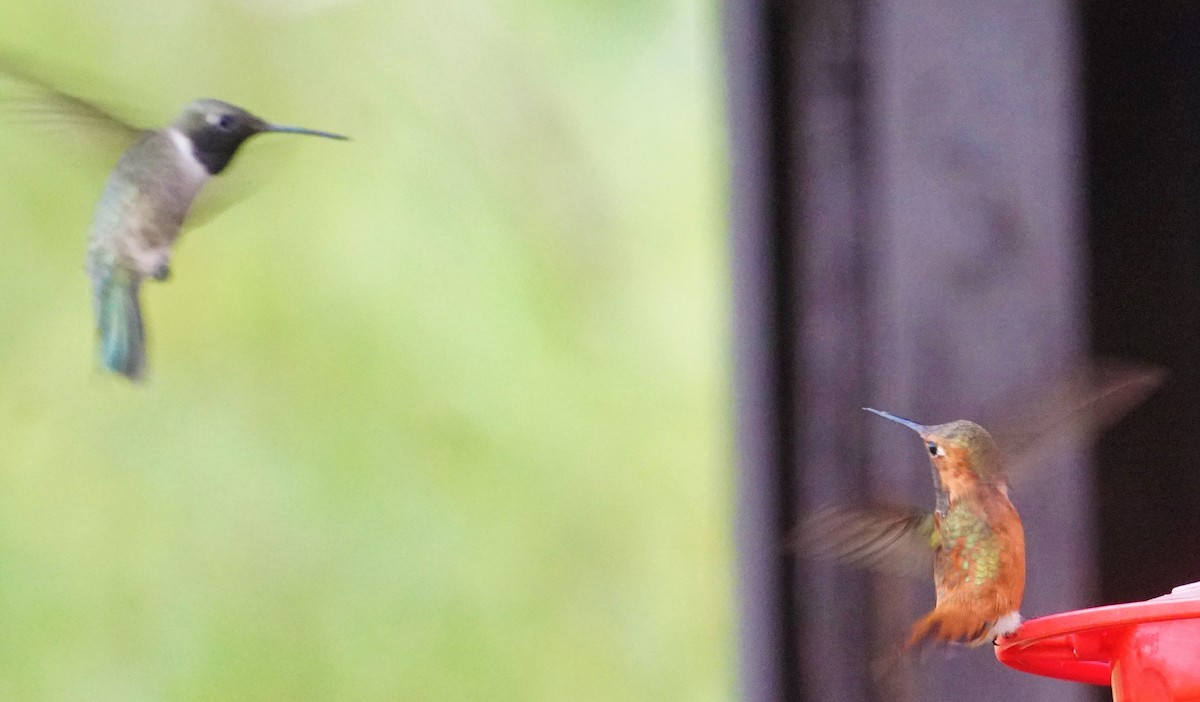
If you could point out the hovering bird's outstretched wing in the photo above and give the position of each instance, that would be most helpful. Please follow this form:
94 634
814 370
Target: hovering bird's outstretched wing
1075 411
87 129
887 538
27 98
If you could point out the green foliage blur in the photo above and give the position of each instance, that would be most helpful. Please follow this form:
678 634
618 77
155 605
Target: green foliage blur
439 413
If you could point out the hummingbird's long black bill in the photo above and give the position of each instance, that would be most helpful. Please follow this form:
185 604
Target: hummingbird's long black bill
919 428
284 129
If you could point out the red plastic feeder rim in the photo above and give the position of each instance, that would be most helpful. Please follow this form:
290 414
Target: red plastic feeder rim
1147 651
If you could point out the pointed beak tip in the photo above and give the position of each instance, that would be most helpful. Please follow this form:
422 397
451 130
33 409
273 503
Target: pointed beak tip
284 129
919 428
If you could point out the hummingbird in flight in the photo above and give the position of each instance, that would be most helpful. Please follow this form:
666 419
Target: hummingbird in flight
146 202
973 541
975 535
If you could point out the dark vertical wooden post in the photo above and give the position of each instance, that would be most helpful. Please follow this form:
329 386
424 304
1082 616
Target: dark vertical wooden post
905 234
1143 85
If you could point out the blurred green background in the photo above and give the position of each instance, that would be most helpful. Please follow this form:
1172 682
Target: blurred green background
436 414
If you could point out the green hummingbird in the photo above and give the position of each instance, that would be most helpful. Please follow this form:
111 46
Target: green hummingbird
146 202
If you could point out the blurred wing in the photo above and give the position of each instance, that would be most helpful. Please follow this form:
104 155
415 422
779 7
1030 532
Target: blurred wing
253 167
27 99
889 539
1075 411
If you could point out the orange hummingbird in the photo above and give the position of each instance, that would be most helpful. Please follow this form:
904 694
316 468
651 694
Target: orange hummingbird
975 536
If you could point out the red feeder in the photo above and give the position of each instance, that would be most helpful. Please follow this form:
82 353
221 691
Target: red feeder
1147 651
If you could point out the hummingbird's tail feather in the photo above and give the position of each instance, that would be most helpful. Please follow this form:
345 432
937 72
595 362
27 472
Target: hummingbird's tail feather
119 322
960 626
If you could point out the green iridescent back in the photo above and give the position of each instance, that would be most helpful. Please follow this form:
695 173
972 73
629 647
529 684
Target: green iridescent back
969 552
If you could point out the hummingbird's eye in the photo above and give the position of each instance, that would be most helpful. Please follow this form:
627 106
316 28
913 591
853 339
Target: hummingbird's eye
934 449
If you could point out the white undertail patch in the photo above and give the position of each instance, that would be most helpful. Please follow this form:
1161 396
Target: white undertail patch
1006 624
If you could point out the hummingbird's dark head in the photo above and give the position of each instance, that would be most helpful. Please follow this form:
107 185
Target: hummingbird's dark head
216 129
